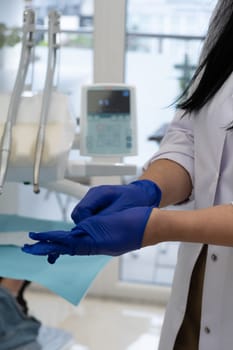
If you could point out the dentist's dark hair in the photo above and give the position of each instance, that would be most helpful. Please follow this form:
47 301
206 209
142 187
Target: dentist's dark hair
216 63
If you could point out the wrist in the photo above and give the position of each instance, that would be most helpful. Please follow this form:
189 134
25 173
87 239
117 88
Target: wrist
152 230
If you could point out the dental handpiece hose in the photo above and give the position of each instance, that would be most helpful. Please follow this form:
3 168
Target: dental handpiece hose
5 153
54 28
6 141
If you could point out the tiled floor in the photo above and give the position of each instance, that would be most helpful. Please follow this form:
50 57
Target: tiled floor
98 324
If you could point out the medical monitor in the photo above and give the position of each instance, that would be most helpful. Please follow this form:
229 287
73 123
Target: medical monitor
108 120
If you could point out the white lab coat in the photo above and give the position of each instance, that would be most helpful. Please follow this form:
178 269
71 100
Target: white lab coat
204 147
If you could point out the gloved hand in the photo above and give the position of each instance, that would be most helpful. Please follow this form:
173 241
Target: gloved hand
113 234
107 199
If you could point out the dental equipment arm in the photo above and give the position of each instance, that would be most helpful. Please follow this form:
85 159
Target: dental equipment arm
26 50
54 29
68 187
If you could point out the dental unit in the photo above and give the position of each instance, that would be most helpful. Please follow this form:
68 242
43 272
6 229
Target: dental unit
38 130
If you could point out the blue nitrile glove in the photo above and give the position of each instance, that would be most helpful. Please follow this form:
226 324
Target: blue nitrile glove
111 198
112 234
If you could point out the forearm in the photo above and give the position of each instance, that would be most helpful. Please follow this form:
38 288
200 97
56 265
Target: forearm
211 225
173 180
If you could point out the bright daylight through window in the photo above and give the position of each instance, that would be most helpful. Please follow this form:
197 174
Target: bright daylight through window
75 61
164 38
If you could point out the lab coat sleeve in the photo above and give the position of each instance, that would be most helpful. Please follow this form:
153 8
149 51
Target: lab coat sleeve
178 144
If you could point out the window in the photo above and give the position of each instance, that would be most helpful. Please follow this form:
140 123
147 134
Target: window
164 39
75 59
75 66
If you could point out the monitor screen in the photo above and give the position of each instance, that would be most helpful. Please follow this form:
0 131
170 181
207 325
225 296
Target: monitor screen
108 102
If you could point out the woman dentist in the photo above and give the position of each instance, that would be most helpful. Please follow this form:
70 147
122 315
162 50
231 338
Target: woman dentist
195 160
